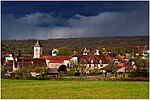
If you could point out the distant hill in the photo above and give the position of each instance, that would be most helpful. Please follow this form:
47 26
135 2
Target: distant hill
26 46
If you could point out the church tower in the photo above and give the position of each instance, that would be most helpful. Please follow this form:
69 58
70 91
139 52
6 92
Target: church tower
37 50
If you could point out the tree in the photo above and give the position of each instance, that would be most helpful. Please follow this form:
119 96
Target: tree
3 49
82 65
141 63
64 51
128 68
62 68
4 70
142 68
73 67
112 68
23 73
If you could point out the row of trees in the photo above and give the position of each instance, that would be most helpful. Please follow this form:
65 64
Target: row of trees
28 51
26 46
67 51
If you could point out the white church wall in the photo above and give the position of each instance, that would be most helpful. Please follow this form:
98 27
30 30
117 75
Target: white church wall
37 52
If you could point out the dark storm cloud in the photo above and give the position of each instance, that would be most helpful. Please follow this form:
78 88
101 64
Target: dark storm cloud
43 20
68 9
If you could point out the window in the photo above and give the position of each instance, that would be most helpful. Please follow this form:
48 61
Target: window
89 65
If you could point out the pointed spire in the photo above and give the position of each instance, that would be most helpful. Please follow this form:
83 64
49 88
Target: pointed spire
38 44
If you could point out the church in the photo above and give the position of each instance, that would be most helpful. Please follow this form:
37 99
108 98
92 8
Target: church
52 61
40 60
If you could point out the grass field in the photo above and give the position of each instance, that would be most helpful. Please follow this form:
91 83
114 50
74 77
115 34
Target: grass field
34 89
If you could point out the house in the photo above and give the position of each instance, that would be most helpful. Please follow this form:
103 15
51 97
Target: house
86 52
28 63
92 61
54 52
57 61
146 53
111 55
121 67
97 52
130 65
121 56
8 57
139 49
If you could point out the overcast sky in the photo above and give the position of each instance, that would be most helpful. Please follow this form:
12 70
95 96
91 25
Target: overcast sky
44 20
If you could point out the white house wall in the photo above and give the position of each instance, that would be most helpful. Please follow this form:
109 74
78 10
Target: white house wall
37 52
74 59
66 62
8 58
102 65
121 69
47 63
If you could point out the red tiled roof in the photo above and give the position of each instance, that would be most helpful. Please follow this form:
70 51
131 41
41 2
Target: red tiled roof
112 55
56 59
39 62
23 59
122 57
25 64
120 65
7 55
105 53
28 62
46 57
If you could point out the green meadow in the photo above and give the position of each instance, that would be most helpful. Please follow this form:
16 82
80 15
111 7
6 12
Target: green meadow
45 89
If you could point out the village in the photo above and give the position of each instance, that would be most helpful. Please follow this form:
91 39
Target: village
75 49
104 64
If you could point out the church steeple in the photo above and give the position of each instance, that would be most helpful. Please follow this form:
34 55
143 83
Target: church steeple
38 44
37 50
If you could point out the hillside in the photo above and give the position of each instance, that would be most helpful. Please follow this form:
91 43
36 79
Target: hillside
26 46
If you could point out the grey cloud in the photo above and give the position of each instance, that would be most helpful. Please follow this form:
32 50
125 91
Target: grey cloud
113 23
44 25
40 20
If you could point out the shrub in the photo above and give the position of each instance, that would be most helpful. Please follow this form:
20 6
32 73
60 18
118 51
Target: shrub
134 79
62 74
4 70
77 74
39 78
70 73
62 68
139 73
22 73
